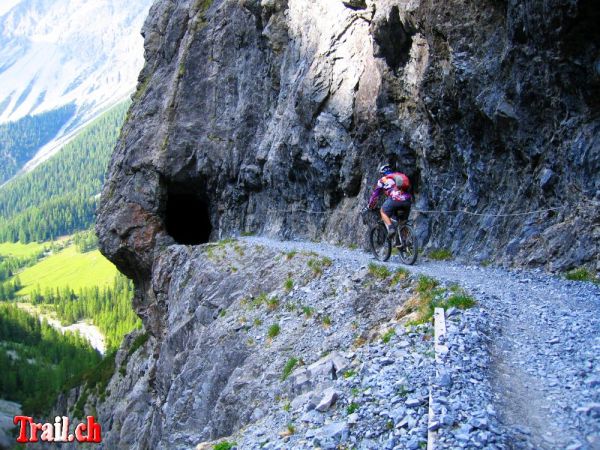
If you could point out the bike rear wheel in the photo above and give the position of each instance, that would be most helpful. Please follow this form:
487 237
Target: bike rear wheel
381 245
408 247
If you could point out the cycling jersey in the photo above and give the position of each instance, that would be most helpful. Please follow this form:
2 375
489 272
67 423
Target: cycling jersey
395 185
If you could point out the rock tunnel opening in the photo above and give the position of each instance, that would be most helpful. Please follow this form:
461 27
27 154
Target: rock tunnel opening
188 218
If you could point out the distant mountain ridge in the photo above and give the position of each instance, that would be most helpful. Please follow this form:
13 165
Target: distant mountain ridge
58 52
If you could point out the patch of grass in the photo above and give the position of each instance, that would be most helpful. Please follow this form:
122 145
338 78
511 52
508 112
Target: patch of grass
287 407
18 250
379 271
289 255
225 445
257 322
289 366
460 301
247 233
352 408
440 254
308 311
399 275
273 330
318 265
137 343
326 321
272 303
387 336
68 268
430 296
581 274
426 284
226 241
259 300
291 429
288 285
349 374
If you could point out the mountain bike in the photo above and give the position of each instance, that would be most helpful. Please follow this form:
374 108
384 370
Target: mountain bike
404 239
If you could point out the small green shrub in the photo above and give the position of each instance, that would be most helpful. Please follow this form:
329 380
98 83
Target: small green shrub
287 407
288 285
257 322
349 374
223 242
327 321
352 408
440 254
273 330
431 296
318 265
399 275
289 366
426 284
225 445
581 274
137 343
308 311
291 429
272 303
379 271
289 255
387 336
460 301
259 300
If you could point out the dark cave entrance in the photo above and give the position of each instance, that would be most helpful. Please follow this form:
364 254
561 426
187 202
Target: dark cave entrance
188 218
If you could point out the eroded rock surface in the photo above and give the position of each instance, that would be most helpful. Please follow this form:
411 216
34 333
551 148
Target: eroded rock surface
272 116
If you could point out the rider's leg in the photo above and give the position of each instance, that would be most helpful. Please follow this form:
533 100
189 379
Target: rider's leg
385 218
387 210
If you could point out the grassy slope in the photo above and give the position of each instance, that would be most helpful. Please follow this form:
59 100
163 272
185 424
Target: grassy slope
69 268
19 250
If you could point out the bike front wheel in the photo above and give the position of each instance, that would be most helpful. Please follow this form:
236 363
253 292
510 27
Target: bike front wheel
381 245
408 248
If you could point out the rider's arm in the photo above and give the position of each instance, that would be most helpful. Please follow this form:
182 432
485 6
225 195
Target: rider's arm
375 195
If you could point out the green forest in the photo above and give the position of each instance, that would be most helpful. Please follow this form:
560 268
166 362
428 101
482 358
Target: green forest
20 140
109 308
37 360
59 197
56 199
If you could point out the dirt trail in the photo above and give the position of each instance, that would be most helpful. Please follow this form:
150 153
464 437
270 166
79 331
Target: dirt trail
544 345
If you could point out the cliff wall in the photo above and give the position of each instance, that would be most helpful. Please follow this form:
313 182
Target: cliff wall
272 117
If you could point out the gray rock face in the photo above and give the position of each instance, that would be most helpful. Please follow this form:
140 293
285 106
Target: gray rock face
272 117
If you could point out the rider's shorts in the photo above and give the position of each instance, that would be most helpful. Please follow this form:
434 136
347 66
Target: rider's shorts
400 209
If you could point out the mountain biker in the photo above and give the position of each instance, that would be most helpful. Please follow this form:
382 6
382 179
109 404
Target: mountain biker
396 186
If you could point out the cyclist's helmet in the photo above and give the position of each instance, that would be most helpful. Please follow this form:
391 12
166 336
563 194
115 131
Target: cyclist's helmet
384 169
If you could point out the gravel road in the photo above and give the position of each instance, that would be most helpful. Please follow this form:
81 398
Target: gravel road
544 344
